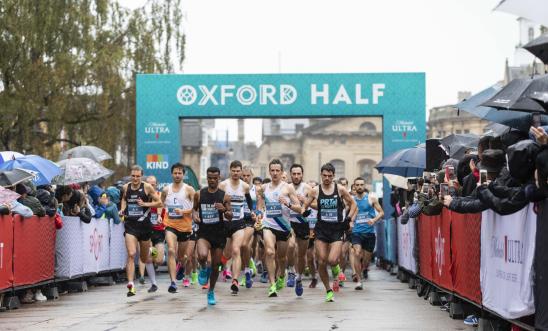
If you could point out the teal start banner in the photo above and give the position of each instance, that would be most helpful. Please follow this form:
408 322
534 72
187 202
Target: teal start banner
163 99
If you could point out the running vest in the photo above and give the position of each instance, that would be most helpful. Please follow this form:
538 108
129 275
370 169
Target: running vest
182 223
253 194
209 215
365 213
330 206
293 216
276 215
237 199
133 211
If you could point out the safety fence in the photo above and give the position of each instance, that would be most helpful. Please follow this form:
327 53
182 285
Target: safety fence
485 259
33 252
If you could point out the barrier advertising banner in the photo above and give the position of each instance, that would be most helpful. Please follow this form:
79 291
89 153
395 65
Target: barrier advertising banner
406 245
96 245
6 252
118 253
507 249
425 246
69 249
441 245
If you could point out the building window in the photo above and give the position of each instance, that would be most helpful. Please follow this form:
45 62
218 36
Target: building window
366 167
339 167
466 131
459 131
368 127
531 34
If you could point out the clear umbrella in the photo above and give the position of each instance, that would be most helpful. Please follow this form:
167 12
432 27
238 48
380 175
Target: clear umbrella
90 152
80 170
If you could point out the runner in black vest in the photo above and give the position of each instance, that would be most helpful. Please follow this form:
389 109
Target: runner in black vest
137 199
211 208
331 226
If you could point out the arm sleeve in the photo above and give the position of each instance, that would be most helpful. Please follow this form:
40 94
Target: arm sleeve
249 201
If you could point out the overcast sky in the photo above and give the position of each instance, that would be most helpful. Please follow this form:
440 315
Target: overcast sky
459 44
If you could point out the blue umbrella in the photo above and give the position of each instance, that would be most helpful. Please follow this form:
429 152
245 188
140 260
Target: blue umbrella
44 170
9 155
409 162
515 119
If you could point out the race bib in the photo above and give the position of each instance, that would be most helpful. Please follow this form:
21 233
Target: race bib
237 211
362 219
210 215
171 212
273 209
134 210
154 218
329 215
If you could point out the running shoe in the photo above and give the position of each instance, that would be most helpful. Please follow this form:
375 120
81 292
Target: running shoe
253 267
227 275
153 252
211 298
335 271
272 291
180 272
153 288
193 278
280 283
248 280
242 281
336 285
131 290
234 287
38 296
260 267
264 277
291 279
313 283
359 287
342 277
142 280
186 282
330 296
203 277
299 288
471 320
172 288
205 287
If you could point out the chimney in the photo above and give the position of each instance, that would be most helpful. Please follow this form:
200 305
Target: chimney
241 134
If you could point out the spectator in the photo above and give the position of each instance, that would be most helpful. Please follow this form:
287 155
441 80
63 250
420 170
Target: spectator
63 194
29 201
107 209
46 196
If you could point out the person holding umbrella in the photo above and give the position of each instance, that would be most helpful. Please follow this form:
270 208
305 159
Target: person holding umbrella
138 198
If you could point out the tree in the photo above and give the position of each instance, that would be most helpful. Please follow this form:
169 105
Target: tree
67 70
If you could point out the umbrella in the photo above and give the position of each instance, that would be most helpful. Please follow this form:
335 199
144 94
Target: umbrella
91 152
396 180
539 48
435 154
43 170
409 162
7 196
457 144
519 93
14 177
9 155
80 170
534 10
514 119
496 129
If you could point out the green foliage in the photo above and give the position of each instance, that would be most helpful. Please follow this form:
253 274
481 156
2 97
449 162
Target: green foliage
67 70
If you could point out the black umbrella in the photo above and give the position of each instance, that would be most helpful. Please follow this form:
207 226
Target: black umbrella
515 119
458 144
521 94
435 155
539 48
496 129
14 177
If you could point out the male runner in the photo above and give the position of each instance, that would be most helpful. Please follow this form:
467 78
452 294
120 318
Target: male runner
213 207
310 256
301 231
137 199
363 233
276 199
158 235
238 190
249 231
177 198
330 227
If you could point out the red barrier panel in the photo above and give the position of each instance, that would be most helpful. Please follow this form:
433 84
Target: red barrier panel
441 249
34 250
424 232
466 253
6 252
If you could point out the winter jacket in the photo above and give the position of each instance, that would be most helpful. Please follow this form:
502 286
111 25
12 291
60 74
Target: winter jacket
109 211
34 205
470 204
502 199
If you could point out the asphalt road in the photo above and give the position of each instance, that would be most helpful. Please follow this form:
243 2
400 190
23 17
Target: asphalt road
385 304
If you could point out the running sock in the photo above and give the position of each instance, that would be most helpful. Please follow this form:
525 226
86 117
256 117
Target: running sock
247 270
336 270
130 283
151 273
299 276
292 269
224 260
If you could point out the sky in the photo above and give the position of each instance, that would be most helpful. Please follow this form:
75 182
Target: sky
461 45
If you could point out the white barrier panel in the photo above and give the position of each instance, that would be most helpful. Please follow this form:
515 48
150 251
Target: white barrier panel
507 249
103 260
118 253
69 249
96 248
406 245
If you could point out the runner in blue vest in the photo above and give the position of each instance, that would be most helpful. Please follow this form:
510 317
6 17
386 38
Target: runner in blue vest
331 225
363 234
